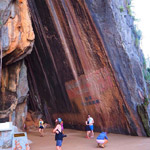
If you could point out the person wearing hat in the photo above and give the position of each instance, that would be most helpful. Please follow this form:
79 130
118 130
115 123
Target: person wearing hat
102 139
58 133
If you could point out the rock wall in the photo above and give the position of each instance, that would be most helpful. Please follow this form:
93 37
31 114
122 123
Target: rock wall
84 61
79 73
120 36
17 38
116 29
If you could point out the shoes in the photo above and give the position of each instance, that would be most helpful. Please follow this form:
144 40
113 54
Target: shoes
87 137
98 145
41 135
102 146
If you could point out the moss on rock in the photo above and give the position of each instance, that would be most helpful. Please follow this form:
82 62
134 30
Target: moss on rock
142 112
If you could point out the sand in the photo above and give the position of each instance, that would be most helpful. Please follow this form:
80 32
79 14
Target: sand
76 140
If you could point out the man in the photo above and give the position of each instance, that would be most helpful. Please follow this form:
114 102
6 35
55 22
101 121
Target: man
102 139
91 122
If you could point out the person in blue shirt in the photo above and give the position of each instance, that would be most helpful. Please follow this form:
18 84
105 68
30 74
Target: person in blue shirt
102 139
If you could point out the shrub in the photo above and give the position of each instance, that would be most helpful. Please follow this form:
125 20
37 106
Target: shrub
121 9
129 9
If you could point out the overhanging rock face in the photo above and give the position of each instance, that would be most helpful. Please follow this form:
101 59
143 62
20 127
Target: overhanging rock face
84 61
70 74
17 38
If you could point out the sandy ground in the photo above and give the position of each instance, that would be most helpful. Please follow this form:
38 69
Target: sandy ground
76 140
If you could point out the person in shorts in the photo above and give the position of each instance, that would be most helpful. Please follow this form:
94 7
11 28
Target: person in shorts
87 128
58 133
91 122
102 139
41 127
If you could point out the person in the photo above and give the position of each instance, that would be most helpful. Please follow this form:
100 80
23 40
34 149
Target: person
58 133
41 127
87 128
102 139
91 122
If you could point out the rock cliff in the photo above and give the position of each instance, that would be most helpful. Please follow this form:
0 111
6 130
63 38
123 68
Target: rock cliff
17 38
84 61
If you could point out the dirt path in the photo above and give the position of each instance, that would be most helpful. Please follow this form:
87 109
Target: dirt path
76 141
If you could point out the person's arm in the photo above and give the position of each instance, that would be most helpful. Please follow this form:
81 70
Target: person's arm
55 129
86 122
43 125
93 121
106 137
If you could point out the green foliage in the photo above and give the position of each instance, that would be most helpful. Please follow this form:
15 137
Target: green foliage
138 34
148 69
129 9
147 76
146 72
121 9
144 63
142 112
137 42
146 101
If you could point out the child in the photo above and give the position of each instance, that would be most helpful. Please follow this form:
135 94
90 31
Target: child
41 127
102 139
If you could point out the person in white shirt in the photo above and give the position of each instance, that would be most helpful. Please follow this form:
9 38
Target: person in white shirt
91 122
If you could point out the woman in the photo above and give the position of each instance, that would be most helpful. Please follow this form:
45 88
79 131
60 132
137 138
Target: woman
41 127
88 130
58 134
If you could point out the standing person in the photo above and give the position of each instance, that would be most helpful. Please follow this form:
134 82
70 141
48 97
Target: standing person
87 128
102 139
41 127
91 122
58 134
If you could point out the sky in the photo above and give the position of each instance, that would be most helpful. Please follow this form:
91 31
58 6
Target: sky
141 9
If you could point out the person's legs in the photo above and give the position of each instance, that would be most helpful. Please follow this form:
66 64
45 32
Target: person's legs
58 144
88 134
42 132
100 143
105 142
92 132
